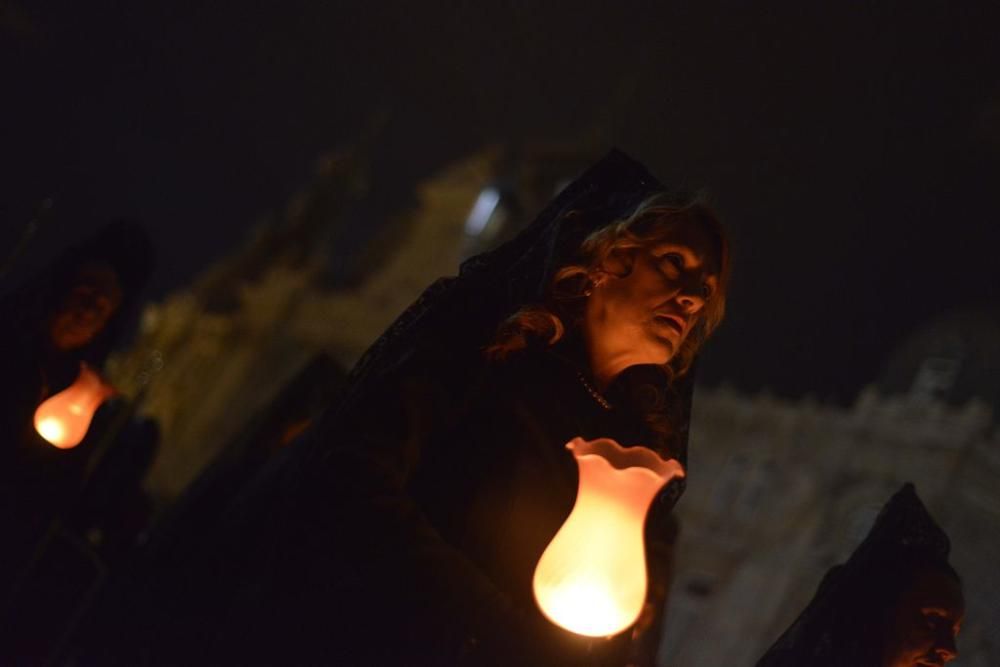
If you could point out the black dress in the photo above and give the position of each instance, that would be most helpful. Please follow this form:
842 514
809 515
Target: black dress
418 538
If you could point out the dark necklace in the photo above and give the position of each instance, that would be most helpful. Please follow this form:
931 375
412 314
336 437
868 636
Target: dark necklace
596 395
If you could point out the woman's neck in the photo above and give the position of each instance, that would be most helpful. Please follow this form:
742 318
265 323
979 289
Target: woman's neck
605 362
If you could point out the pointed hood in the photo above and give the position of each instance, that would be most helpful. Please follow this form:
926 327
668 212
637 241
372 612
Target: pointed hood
844 622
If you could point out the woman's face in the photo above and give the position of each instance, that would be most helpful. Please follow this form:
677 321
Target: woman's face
646 305
926 622
86 308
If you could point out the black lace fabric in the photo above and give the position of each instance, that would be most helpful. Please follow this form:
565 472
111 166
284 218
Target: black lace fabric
843 625
461 314
467 309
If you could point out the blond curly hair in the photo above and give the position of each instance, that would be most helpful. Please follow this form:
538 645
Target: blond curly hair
647 226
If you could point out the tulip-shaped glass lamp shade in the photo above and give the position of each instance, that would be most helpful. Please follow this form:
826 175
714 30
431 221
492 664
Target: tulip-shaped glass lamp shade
591 579
63 418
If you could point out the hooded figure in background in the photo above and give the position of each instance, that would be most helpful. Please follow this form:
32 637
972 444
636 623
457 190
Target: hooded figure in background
896 602
404 526
71 314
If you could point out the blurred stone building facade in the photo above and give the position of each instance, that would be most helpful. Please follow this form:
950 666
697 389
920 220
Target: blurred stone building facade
223 348
327 276
779 490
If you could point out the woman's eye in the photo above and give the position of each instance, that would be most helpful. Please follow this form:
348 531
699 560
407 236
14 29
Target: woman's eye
706 290
674 259
935 618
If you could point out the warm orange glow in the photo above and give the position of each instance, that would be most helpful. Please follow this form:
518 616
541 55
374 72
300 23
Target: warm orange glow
591 579
63 418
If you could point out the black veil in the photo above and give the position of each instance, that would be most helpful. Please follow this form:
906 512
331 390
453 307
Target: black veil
455 318
123 245
843 625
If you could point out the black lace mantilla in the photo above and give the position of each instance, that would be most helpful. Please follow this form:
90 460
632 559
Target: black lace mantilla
841 625
460 314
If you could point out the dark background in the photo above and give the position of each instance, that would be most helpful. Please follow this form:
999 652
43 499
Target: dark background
854 150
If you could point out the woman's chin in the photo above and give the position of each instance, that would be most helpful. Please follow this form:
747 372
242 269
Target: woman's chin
659 351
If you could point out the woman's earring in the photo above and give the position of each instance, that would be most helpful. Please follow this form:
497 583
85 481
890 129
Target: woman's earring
594 284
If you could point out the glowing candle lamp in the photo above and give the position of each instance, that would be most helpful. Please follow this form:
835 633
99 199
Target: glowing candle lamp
64 418
591 579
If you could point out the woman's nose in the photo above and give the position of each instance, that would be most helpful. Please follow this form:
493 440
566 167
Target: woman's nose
946 649
690 300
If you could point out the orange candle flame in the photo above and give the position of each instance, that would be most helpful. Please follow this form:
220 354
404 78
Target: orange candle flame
63 418
591 579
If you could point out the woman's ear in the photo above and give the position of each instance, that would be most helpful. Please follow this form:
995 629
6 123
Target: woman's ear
618 263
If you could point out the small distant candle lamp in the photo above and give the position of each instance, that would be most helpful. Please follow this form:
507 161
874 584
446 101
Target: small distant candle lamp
64 418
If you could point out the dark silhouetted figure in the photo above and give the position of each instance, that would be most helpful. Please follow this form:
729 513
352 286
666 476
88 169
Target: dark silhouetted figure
896 602
50 498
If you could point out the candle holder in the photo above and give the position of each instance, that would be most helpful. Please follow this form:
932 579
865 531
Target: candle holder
64 418
591 579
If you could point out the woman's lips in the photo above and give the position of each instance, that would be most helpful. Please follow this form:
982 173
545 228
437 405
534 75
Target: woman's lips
674 322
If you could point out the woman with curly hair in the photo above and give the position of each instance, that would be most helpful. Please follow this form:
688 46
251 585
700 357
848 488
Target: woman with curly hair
648 289
404 527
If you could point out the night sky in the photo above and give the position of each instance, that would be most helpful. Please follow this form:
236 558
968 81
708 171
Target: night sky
853 151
